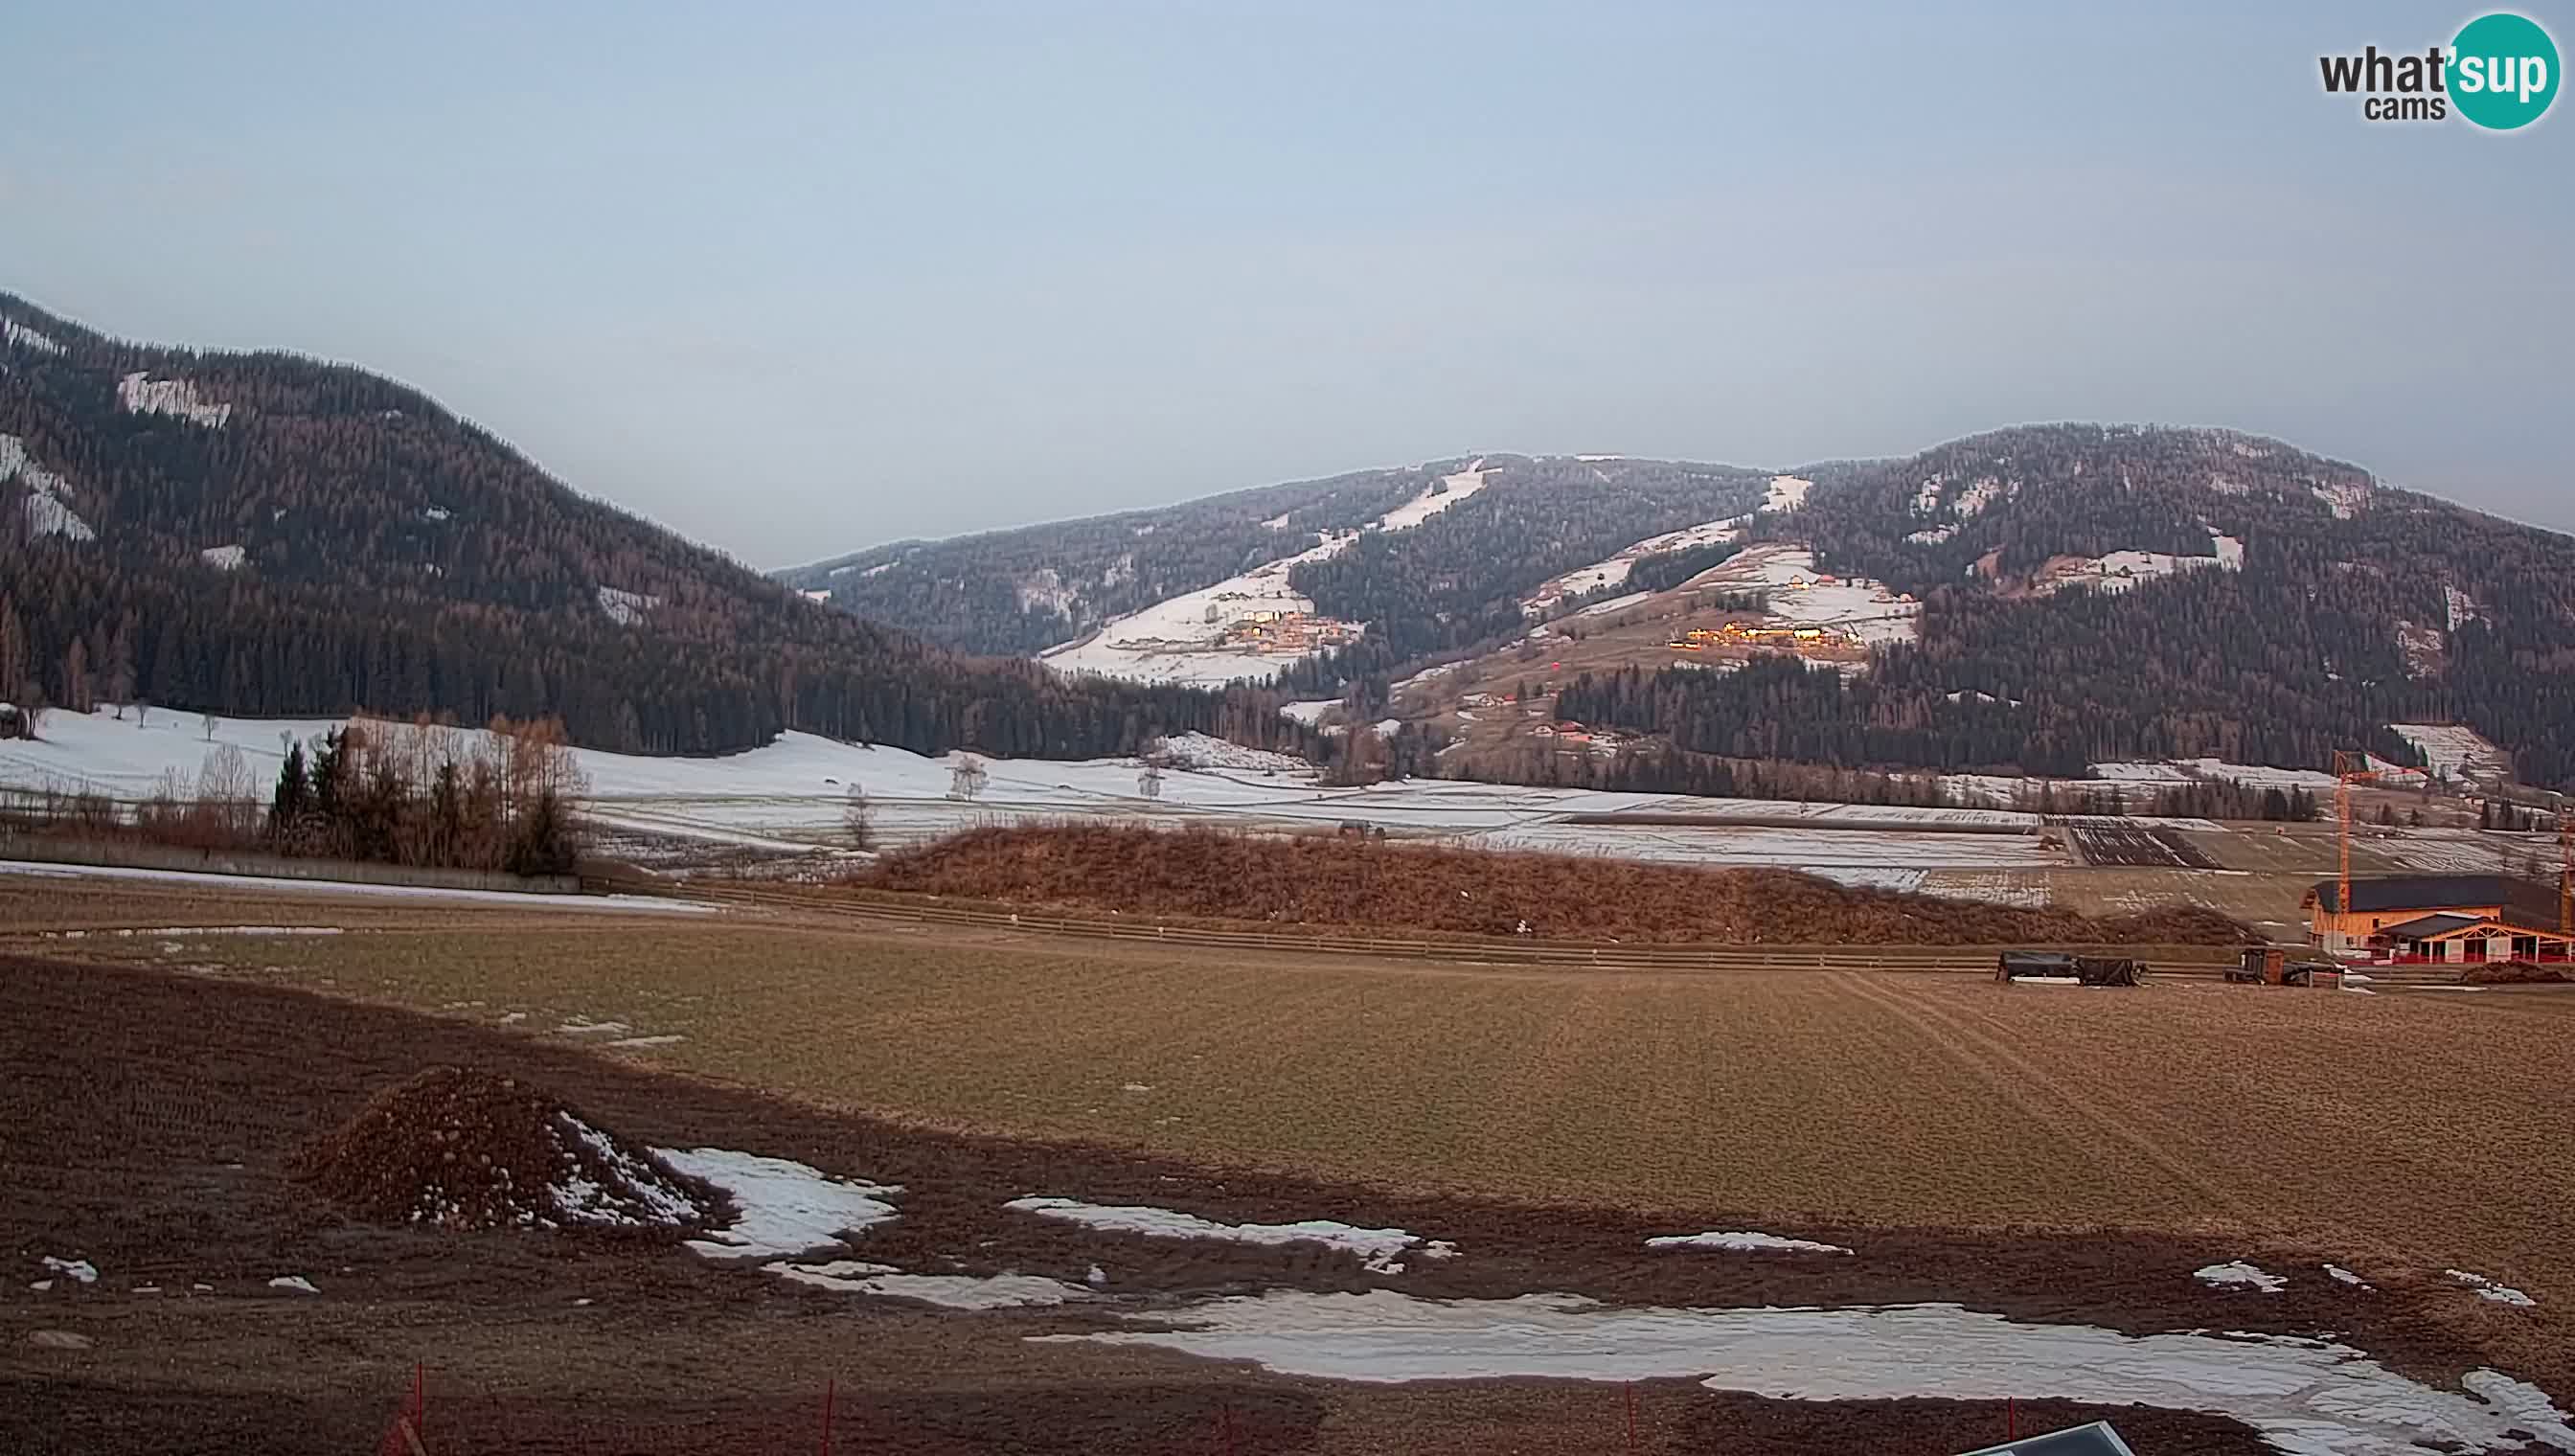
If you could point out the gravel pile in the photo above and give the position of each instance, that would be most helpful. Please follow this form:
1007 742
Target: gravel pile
465 1149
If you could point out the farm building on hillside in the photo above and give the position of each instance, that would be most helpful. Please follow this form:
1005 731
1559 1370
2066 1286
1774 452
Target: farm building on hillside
2440 917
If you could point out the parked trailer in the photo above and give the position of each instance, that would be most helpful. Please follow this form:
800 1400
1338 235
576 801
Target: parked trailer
2050 966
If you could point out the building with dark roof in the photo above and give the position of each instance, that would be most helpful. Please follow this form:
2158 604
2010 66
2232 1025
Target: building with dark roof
2463 917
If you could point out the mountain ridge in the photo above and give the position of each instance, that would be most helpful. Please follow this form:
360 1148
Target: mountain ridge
267 533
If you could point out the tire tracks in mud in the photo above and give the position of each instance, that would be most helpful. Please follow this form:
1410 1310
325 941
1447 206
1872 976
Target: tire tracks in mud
2045 1096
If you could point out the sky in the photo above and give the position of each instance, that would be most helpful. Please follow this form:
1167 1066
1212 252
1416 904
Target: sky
796 278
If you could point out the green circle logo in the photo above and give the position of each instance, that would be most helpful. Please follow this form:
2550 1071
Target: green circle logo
2503 71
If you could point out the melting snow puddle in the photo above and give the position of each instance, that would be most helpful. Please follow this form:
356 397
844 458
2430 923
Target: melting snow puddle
1742 1244
955 1291
296 1282
788 1209
2307 1397
584 1026
2342 1275
2488 1289
2240 1272
79 1271
664 1040
1379 1248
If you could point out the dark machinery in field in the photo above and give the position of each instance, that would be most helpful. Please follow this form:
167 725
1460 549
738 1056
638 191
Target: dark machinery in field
2052 966
2271 965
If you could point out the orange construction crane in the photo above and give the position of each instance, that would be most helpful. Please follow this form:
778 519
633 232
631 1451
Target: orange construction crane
2350 768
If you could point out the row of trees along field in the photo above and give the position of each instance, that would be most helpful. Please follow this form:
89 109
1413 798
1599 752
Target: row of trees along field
419 793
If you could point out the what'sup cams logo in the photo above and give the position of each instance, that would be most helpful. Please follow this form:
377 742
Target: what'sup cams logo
2499 72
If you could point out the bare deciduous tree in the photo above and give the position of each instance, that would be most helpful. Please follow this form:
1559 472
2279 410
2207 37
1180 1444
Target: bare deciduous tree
965 781
857 820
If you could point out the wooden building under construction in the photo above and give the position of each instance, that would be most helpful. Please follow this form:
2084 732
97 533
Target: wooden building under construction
2461 918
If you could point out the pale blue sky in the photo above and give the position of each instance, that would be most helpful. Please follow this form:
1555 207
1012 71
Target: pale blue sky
795 279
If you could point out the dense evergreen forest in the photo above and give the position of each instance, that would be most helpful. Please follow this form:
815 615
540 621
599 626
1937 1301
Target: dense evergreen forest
2354 606
263 533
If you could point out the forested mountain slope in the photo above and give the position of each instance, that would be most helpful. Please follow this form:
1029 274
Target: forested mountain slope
2097 593
263 534
1447 580
2089 592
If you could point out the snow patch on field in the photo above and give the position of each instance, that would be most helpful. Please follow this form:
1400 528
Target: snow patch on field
954 1291
79 1271
626 608
1174 640
1744 1243
223 558
1801 596
2453 751
2462 607
1786 493
788 1209
2488 1289
1451 490
1310 711
2307 1397
1380 1250
141 394
1614 604
2123 571
2193 771
47 512
2344 499
621 904
1205 750
1044 590
292 1283
1602 574
2240 1273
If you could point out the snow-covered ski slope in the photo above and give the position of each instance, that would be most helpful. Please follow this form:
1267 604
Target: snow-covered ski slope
1176 639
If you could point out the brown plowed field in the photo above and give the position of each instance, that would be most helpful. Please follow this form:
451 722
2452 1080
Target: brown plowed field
1963 1136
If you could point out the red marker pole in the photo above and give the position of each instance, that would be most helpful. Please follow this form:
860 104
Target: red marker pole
2012 1419
829 1389
1632 1415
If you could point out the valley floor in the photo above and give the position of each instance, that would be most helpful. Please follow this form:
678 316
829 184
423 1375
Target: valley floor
1969 1142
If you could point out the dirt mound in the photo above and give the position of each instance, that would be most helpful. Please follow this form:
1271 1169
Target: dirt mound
461 1148
1215 875
2513 973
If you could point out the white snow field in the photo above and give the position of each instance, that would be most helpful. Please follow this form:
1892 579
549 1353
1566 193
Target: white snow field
1174 640
954 1291
2307 1397
351 890
788 1209
791 795
1801 596
1786 493
2453 751
2123 571
1613 572
1380 1250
